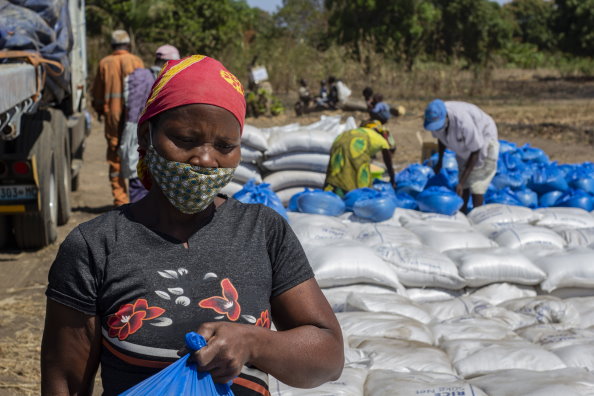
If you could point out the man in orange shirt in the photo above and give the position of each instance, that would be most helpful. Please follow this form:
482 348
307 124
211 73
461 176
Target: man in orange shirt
108 103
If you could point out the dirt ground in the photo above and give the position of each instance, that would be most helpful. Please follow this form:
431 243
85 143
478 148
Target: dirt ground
553 114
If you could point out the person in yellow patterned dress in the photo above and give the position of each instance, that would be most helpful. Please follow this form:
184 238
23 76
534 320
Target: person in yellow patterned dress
351 155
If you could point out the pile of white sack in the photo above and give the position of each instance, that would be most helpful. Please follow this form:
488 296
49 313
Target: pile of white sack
499 302
289 158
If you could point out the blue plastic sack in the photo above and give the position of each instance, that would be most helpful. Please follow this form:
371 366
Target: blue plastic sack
533 154
375 209
527 197
439 200
550 199
182 378
505 196
548 178
505 146
586 185
576 199
292 207
509 179
253 193
445 178
448 162
320 202
406 201
510 161
413 178
360 193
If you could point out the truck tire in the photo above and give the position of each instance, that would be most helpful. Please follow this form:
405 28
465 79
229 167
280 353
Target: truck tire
39 229
64 169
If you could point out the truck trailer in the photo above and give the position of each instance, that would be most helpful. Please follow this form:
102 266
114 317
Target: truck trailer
43 117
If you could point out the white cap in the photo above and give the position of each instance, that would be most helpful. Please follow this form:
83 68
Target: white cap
120 37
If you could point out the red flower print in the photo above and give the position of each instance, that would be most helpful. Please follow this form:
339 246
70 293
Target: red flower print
227 304
263 320
128 319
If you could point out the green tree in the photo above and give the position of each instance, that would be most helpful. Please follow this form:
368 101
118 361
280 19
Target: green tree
303 20
575 26
533 22
473 29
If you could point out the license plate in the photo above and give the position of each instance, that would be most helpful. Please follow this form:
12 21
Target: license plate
18 192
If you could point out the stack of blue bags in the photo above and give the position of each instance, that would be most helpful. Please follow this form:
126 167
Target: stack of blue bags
525 177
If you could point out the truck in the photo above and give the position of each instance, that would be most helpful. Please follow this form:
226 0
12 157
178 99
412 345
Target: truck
43 117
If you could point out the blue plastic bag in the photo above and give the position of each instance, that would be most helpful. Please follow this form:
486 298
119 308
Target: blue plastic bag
505 146
527 197
182 378
360 193
403 200
413 178
505 196
320 202
445 178
576 199
550 199
375 209
512 179
586 185
448 162
510 161
292 207
548 178
533 154
253 193
439 200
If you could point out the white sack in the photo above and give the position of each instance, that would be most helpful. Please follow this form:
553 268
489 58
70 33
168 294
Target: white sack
552 338
572 292
371 324
501 214
311 141
317 229
468 327
403 356
481 267
460 306
254 138
376 234
388 303
525 236
578 355
578 236
421 266
571 268
478 357
350 383
407 216
249 154
245 172
442 238
566 218
564 382
337 296
418 383
298 161
585 308
287 179
231 188
510 319
497 293
546 310
422 295
347 263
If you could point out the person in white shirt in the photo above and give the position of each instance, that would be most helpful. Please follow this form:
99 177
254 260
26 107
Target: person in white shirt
472 134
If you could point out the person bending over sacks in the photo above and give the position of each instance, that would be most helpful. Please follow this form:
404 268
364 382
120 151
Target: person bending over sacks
470 133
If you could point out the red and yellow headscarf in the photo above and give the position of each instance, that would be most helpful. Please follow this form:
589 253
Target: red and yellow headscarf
196 79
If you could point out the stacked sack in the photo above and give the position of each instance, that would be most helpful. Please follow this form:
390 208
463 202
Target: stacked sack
499 302
297 157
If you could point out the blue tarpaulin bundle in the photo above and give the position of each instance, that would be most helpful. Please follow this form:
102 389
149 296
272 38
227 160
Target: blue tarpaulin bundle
41 26
413 178
182 378
376 209
253 193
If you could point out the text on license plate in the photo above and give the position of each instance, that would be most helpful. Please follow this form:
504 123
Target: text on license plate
18 192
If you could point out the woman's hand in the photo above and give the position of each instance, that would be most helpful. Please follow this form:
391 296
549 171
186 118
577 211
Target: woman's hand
227 349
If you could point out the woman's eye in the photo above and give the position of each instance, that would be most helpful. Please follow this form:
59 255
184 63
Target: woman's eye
183 139
225 146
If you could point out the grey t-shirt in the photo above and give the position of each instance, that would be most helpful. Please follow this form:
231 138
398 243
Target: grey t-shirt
149 290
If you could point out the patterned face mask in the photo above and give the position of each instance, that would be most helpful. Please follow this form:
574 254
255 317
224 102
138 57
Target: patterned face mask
189 188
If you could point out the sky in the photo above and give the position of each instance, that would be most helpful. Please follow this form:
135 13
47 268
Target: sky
271 5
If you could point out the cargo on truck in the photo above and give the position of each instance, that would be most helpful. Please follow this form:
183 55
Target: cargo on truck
43 118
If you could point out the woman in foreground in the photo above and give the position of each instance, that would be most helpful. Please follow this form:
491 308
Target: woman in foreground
126 286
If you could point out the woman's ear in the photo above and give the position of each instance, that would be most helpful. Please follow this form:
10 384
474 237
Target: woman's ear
142 133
